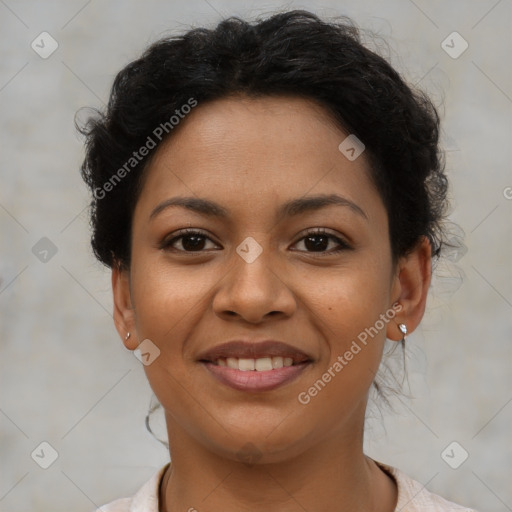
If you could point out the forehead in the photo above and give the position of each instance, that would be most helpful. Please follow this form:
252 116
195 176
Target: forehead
251 125
252 152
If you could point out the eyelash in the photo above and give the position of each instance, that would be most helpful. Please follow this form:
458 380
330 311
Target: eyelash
166 244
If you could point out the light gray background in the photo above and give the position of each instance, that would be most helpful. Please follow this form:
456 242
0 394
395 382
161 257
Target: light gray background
65 375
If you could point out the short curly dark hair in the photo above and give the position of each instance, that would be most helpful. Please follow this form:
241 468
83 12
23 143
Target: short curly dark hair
292 53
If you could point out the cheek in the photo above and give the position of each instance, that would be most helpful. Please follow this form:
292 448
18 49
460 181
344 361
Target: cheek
350 310
168 298
347 300
169 303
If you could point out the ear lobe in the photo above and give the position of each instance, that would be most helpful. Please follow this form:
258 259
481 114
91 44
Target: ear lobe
413 282
124 314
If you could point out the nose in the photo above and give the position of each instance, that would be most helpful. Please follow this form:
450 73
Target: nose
255 290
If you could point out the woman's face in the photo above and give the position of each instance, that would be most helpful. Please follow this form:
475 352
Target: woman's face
254 273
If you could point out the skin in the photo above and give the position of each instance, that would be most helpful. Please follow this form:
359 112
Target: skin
250 156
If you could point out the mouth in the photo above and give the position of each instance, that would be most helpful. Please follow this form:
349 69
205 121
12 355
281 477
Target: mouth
261 364
255 366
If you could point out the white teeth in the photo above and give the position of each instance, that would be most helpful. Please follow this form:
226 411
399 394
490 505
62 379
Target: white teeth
261 364
246 364
277 362
264 364
232 362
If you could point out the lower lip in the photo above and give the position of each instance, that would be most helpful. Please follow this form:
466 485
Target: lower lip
252 380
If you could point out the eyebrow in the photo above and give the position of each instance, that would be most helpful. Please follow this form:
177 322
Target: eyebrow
289 209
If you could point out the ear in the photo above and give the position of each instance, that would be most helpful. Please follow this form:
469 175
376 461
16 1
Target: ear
410 289
124 314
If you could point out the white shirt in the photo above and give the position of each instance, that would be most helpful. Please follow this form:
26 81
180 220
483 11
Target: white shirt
412 496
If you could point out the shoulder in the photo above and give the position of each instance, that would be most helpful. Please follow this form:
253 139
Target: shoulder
120 505
144 500
414 497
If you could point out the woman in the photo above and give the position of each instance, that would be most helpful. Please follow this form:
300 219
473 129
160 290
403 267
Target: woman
269 198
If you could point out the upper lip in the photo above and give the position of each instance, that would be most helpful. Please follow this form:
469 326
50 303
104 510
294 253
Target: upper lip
243 349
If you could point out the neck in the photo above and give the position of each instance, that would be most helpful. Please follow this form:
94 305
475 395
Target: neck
331 475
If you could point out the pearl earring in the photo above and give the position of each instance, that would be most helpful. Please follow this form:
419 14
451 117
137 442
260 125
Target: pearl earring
127 337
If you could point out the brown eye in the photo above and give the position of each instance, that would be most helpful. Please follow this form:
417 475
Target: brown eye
191 241
319 240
